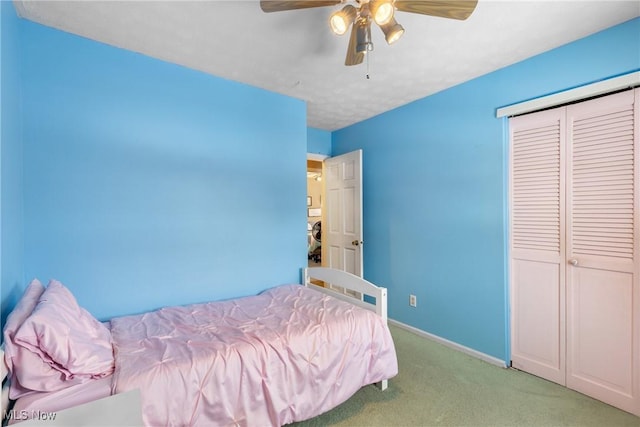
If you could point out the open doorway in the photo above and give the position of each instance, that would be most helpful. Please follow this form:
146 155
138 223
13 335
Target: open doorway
334 189
314 212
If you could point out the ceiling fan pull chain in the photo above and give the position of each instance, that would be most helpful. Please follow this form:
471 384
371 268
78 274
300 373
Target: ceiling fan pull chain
368 67
369 45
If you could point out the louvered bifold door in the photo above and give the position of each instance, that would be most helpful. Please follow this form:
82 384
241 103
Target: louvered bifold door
537 244
603 305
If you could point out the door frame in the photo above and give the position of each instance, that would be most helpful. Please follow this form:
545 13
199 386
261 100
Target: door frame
318 158
322 158
635 270
532 104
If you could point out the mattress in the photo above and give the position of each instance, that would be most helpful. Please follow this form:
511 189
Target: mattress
32 404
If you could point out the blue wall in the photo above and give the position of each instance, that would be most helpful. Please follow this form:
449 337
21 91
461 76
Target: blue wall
11 223
149 184
139 183
435 189
318 141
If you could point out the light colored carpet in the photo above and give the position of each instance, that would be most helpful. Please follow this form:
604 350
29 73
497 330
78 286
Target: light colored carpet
438 386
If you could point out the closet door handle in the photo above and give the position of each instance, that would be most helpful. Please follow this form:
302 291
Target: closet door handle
573 262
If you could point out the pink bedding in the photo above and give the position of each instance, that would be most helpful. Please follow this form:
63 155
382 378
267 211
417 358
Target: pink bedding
52 343
286 355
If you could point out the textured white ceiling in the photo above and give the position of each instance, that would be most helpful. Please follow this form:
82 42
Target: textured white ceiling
294 52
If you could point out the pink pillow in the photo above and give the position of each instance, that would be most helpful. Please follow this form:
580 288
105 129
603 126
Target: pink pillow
71 342
19 314
20 361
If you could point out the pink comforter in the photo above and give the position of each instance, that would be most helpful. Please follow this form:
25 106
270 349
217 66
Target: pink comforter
286 355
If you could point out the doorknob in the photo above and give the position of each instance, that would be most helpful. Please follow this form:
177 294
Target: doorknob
356 243
573 262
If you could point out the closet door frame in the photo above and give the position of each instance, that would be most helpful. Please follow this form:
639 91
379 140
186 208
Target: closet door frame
565 369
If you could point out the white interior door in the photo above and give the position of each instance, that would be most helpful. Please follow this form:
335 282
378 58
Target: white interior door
537 244
342 216
603 304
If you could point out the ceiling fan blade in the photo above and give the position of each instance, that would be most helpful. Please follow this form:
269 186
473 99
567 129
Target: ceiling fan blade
282 5
353 57
454 9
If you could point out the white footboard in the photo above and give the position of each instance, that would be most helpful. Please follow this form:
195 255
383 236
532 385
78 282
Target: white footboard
350 282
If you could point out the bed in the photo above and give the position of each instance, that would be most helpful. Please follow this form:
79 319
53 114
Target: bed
288 354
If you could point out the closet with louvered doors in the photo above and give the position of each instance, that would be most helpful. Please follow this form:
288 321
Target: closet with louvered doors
575 289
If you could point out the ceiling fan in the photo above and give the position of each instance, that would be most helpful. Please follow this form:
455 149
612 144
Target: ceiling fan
360 17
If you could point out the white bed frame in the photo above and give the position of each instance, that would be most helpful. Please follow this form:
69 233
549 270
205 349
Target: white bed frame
4 371
349 283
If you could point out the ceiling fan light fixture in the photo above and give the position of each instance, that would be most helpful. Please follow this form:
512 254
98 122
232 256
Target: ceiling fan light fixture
342 19
381 10
392 31
360 16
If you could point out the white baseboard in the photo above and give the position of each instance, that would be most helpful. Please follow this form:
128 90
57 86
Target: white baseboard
471 352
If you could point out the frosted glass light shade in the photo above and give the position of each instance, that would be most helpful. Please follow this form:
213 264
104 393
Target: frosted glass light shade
342 19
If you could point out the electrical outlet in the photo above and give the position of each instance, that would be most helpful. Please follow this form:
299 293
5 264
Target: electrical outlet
413 301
